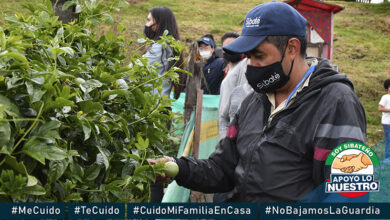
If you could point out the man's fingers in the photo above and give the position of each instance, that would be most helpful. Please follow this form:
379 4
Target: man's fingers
348 157
163 178
349 169
366 160
151 161
163 159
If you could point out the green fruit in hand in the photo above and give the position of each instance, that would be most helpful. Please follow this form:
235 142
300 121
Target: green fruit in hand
79 81
171 169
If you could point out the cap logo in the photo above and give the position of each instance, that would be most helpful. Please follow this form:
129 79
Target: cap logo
252 22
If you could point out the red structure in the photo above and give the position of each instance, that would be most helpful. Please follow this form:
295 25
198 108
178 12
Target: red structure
319 17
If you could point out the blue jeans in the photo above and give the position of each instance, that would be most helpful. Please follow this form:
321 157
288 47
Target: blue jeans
386 128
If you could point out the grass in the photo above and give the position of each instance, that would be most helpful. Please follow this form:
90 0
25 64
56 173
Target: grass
361 38
361 49
195 17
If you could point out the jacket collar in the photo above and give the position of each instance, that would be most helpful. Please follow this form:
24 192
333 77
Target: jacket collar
211 59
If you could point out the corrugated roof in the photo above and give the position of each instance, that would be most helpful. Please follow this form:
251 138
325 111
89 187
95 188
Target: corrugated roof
306 4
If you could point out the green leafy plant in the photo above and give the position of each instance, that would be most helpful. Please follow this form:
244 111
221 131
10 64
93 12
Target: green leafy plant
76 122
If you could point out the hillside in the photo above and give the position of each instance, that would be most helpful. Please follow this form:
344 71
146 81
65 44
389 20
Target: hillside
361 38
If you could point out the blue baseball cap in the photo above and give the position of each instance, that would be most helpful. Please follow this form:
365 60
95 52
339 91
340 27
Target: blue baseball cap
268 19
207 40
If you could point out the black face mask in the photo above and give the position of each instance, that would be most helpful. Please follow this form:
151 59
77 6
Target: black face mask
234 58
149 33
268 78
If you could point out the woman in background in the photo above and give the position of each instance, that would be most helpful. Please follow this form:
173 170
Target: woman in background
160 19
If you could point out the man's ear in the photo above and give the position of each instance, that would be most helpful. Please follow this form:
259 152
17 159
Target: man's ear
293 47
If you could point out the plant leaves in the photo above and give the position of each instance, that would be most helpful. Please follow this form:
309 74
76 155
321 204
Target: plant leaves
79 9
141 143
16 56
36 190
49 130
73 197
31 180
118 92
77 171
90 85
90 107
101 158
144 173
5 135
14 164
9 106
86 128
34 92
38 80
14 82
56 169
42 61
68 4
59 103
38 149
92 172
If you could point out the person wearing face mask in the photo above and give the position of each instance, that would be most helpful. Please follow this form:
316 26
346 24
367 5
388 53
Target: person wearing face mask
160 19
230 59
235 77
213 69
234 89
276 146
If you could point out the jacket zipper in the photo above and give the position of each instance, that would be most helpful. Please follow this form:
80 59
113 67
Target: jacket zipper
249 164
267 125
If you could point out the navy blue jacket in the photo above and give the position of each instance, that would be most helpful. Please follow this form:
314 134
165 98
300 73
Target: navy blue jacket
213 73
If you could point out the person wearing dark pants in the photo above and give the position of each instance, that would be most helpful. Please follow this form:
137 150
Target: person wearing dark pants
160 19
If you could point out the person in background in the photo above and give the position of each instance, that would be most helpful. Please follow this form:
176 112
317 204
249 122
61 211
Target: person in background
384 107
160 19
228 104
230 59
212 71
218 52
234 88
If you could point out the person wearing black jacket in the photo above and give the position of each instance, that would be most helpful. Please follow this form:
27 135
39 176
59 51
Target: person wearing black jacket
213 70
275 148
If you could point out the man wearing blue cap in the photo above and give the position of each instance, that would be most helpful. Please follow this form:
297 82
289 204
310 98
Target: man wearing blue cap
213 69
275 148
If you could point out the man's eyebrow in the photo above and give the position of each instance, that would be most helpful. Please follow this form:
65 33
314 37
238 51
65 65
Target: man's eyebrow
255 51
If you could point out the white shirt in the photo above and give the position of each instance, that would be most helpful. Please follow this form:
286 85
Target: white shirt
385 102
272 98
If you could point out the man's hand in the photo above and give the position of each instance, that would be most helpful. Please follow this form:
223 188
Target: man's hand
163 178
351 163
342 166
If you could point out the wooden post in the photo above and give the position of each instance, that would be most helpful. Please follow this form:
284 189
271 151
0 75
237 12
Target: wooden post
194 97
198 121
193 82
